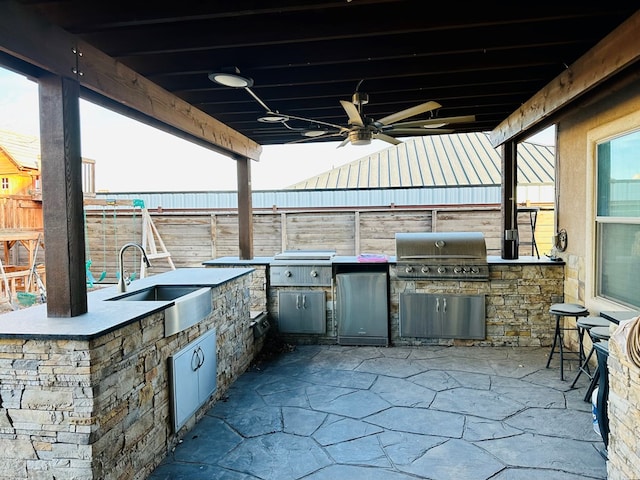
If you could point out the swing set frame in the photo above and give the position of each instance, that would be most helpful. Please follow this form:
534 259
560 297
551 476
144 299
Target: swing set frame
151 241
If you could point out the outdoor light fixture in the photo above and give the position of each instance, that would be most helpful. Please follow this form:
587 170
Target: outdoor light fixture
315 132
273 117
230 77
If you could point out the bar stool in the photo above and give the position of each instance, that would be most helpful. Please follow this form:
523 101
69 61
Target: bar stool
598 335
561 310
584 325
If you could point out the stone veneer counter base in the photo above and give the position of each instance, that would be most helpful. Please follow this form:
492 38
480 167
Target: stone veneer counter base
90 397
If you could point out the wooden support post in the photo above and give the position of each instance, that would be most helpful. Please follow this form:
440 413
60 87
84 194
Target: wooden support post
62 200
245 208
509 201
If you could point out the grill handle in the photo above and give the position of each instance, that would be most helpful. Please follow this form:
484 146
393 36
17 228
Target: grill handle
436 257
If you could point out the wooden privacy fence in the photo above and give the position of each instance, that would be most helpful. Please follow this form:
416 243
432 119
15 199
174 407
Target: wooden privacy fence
193 237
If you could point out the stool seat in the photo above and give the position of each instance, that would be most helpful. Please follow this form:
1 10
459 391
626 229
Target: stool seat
570 309
599 333
589 322
560 310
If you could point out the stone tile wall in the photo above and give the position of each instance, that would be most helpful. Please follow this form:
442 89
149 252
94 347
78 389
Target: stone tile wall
100 409
623 410
518 298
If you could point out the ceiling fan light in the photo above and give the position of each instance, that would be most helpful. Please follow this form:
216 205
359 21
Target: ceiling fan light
230 77
360 137
273 117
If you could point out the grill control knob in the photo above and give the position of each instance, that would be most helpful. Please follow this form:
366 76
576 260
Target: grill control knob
287 273
458 269
409 270
442 269
313 273
475 270
425 269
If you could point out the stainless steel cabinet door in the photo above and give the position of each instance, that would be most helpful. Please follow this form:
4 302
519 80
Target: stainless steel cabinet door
362 310
442 316
193 377
302 311
419 315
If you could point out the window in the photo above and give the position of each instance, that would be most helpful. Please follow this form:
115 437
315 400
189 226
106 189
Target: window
618 219
5 183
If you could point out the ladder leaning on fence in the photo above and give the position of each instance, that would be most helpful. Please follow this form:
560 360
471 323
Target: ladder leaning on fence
150 241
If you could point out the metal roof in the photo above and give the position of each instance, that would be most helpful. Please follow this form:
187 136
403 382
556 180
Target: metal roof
461 169
455 160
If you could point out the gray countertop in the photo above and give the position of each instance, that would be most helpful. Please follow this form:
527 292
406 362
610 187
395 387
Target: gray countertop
104 316
345 259
236 261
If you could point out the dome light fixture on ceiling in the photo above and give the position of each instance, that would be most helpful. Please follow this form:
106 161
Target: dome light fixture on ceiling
314 132
230 77
273 117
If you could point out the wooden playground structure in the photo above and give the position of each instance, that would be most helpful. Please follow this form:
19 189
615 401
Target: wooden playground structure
19 282
104 226
24 285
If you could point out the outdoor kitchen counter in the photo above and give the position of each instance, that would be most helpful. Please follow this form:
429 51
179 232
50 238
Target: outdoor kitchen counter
104 316
237 261
103 395
524 260
491 260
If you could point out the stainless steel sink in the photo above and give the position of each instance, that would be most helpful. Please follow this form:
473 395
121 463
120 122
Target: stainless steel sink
190 304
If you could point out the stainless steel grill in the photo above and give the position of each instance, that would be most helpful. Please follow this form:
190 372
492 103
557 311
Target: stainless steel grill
442 255
301 268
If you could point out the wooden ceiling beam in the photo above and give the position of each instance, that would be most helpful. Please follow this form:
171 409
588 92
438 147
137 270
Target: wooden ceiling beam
610 56
35 41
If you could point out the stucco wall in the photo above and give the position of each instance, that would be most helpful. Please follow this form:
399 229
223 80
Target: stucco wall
619 111
575 189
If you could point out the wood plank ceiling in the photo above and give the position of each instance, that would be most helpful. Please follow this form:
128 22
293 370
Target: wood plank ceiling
306 55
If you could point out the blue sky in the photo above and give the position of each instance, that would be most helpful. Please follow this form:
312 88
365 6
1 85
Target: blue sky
131 156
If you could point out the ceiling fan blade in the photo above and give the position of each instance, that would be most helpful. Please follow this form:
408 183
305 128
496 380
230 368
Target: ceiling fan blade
437 122
386 138
420 131
343 142
352 113
409 112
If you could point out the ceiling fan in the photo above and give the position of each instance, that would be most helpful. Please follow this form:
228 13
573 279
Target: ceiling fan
360 129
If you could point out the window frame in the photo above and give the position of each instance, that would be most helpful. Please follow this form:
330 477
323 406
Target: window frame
617 128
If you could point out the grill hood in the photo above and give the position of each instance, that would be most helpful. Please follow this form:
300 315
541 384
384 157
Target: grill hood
440 245
447 255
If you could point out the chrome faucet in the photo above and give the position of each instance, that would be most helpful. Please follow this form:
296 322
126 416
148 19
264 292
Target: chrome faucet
122 283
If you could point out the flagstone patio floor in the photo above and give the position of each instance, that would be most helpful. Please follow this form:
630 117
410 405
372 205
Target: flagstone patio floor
395 413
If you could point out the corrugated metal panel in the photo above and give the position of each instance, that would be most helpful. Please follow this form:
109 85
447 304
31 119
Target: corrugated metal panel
459 169
311 198
438 160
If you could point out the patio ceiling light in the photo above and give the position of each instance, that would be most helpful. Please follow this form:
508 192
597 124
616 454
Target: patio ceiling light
273 117
314 132
230 77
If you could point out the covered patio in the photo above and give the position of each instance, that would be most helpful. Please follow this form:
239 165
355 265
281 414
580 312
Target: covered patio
576 67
